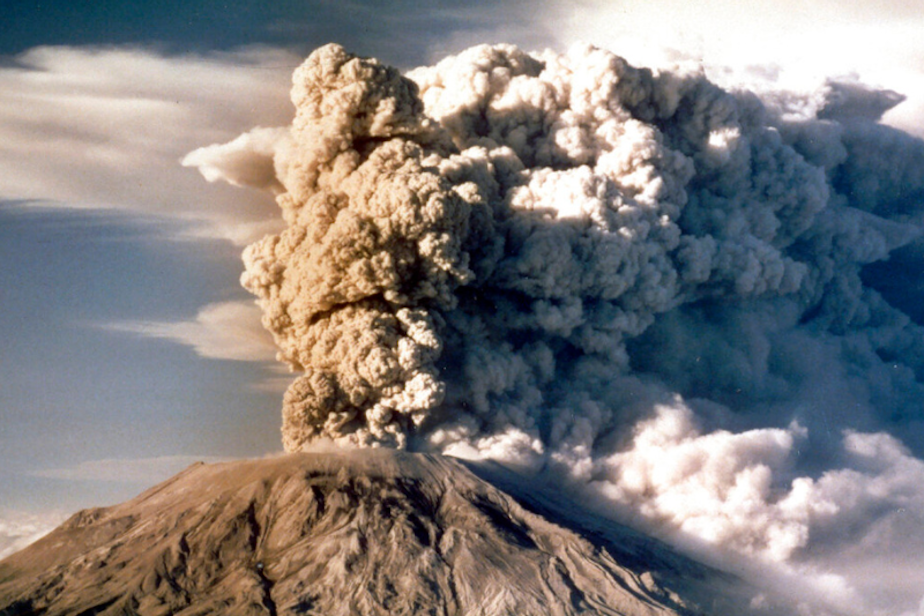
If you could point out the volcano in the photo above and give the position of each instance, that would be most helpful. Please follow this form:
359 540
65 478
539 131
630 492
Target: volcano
353 533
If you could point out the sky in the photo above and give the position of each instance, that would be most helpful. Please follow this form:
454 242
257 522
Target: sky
130 348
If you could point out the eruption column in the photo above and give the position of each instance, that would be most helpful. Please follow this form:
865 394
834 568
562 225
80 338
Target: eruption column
566 262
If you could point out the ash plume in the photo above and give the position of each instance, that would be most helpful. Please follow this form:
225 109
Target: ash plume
662 293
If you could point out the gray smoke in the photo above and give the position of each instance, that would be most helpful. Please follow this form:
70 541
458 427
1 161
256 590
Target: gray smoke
673 298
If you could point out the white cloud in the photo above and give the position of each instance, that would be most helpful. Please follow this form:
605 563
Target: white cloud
802 42
245 161
18 528
224 330
107 128
846 538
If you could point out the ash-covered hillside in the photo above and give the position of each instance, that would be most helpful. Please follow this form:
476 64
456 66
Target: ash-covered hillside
378 532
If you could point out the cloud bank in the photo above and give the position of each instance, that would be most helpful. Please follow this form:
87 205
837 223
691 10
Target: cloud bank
104 128
18 529
660 293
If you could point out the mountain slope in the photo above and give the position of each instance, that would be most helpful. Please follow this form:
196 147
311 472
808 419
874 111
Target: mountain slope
371 532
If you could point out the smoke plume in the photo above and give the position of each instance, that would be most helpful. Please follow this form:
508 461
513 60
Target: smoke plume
675 298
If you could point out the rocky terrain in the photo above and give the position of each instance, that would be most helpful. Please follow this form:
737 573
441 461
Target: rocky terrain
354 533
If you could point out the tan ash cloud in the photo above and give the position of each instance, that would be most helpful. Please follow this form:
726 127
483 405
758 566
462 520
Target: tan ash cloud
567 263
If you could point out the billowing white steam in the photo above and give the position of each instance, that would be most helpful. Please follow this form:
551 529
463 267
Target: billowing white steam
650 285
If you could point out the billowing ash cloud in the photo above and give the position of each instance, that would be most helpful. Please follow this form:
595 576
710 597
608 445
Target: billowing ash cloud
670 295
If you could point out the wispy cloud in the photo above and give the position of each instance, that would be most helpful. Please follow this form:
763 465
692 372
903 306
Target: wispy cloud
225 330
107 127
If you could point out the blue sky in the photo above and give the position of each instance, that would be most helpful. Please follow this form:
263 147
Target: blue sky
129 348
77 390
